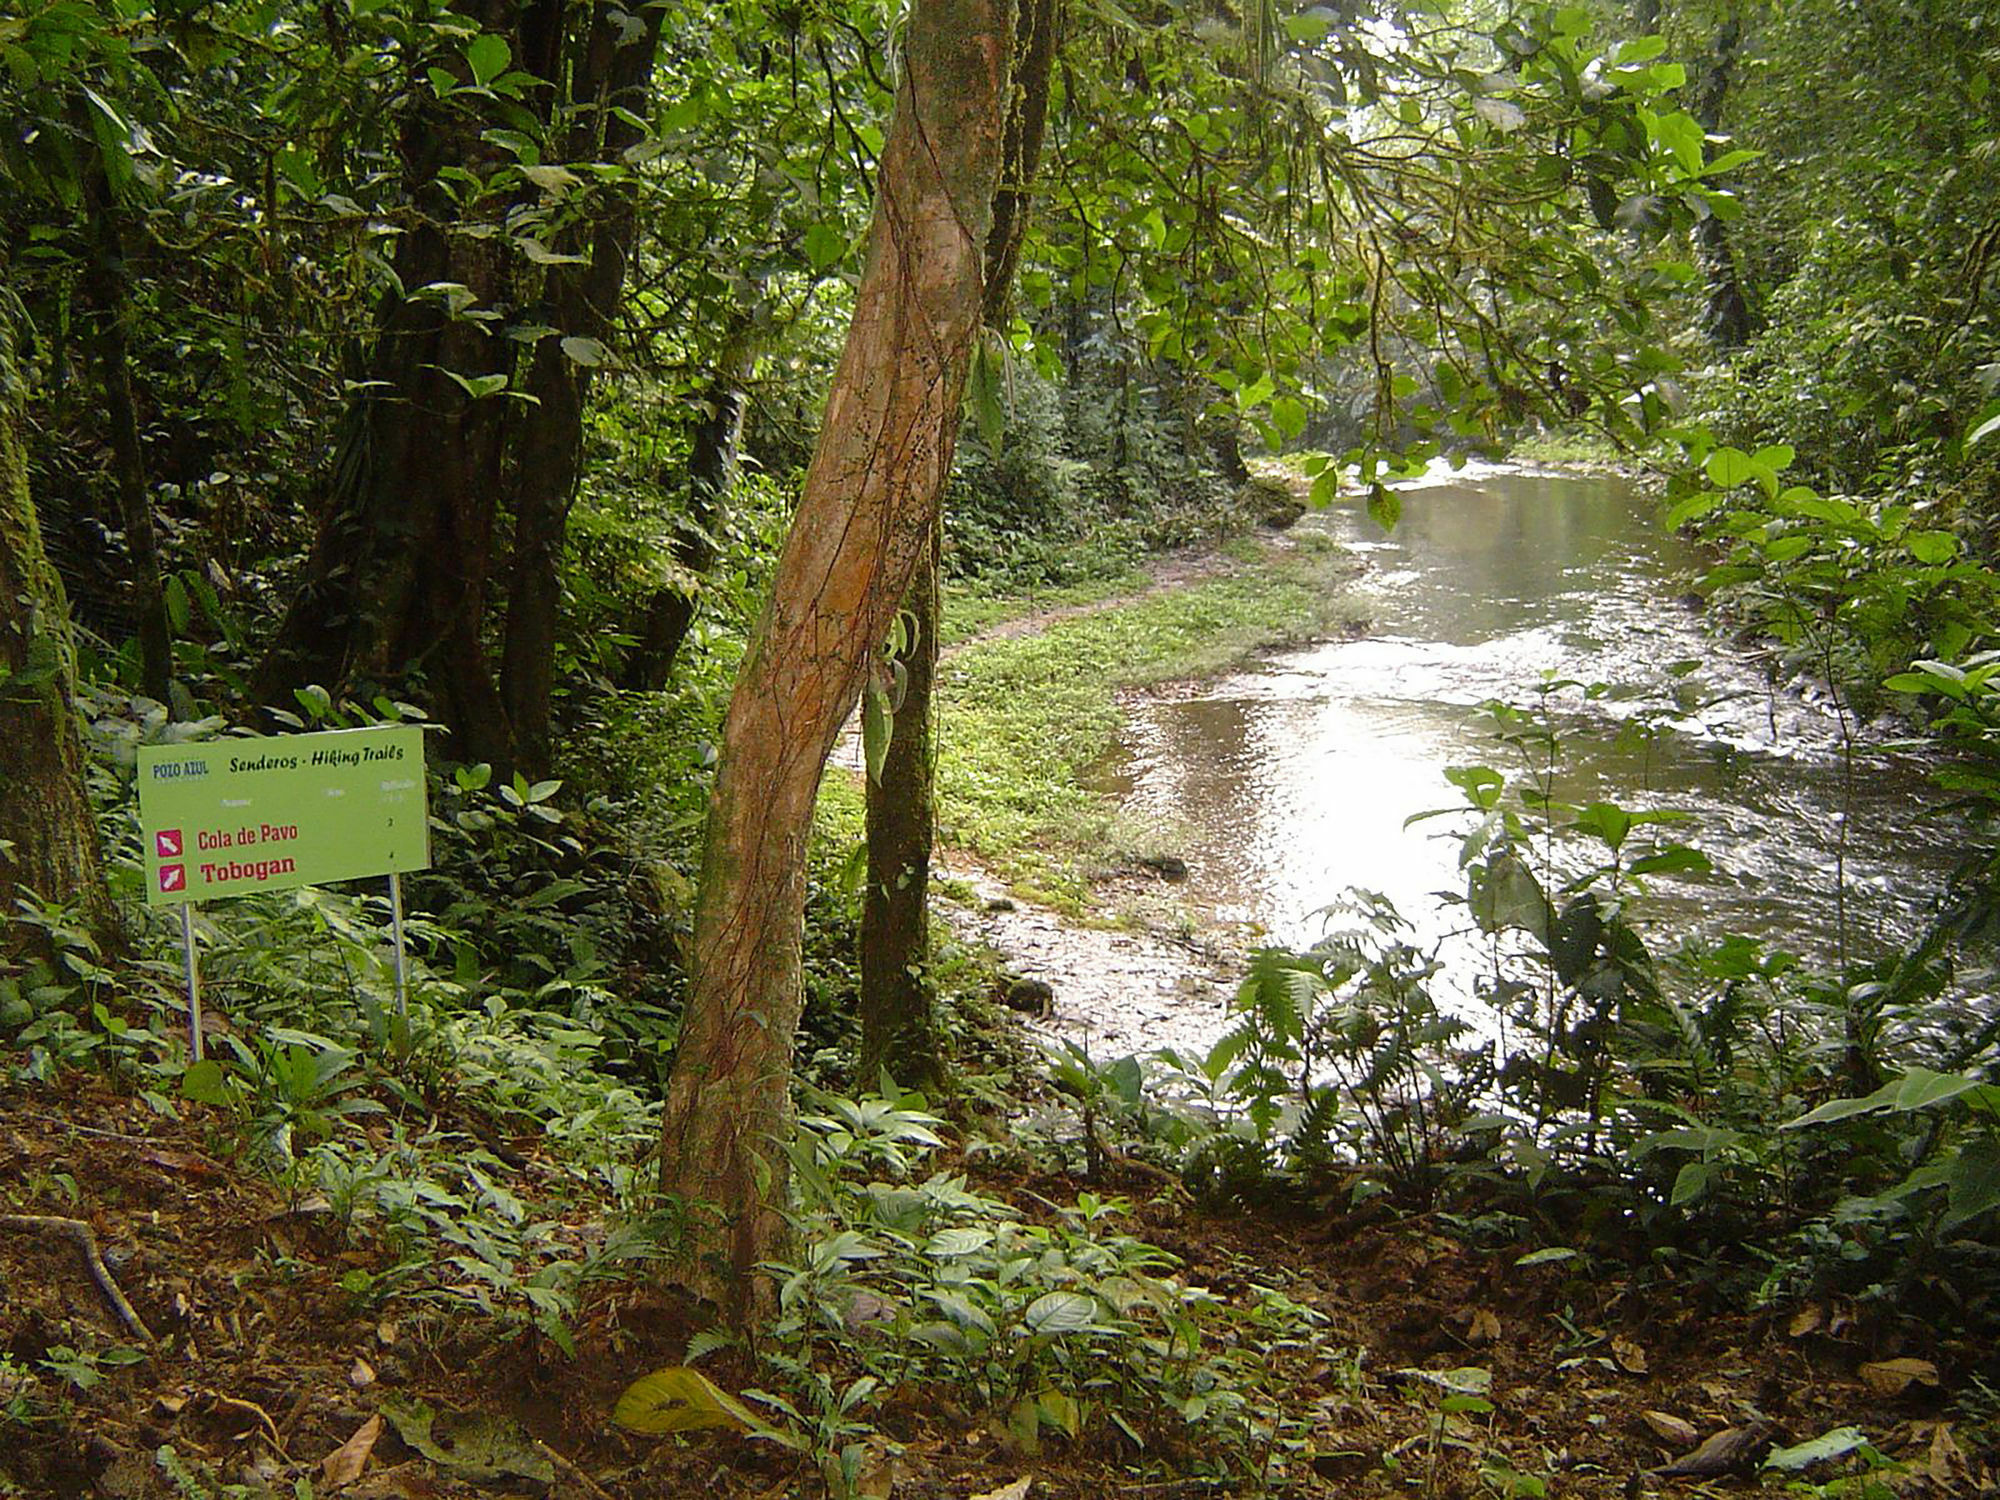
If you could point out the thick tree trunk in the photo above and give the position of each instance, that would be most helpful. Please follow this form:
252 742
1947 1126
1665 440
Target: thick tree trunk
48 838
398 578
105 285
580 302
712 463
883 455
1726 317
899 1028
898 1011
396 581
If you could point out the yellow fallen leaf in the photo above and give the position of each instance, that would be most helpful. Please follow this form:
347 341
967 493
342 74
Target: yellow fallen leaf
1891 1377
344 1465
1631 1358
1806 1320
678 1399
1018 1490
1485 1327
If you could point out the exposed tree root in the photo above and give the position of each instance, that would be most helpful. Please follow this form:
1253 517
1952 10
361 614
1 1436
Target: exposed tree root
81 1235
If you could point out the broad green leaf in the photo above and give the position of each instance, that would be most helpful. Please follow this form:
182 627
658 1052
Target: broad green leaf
959 1241
1060 1312
1919 1088
1692 509
1972 1182
1728 467
1547 1257
1691 1183
824 246
1672 860
983 393
487 55
177 604
589 353
1385 506
1932 548
877 726
205 1083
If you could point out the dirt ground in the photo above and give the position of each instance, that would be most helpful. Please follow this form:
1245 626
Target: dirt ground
265 1375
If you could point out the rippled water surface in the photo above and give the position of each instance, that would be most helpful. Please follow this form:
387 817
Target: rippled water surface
1284 785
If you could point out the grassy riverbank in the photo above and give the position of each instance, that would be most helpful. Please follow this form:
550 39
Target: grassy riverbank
1026 716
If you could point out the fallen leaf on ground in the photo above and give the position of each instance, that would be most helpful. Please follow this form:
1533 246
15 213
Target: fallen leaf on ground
1948 1467
1485 1327
1016 1491
362 1375
344 1465
1806 1320
1891 1377
1669 1428
1631 1358
1727 1451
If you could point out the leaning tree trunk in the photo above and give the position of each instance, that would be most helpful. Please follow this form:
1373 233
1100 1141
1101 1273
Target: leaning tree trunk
899 1029
883 454
48 838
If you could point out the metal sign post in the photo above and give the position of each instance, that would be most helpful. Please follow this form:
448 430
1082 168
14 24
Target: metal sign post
402 962
193 979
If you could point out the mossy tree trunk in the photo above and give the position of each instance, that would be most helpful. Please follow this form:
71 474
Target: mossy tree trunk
861 529
48 838
899 1030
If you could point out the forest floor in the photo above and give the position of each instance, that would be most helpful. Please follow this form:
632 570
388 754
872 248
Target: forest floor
270 1374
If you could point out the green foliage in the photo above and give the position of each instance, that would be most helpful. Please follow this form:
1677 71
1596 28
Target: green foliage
1055 1328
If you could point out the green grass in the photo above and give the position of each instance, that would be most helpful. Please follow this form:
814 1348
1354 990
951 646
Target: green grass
1023 721
968 610
1568 448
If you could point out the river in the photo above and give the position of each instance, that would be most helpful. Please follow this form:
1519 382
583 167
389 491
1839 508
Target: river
1283 785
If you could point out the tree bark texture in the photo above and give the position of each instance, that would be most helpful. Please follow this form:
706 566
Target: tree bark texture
883 455
899 1029
48 838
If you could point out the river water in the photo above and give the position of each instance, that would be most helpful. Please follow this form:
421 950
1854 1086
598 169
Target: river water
1284 785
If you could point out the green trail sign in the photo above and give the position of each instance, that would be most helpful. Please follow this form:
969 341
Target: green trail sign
227 817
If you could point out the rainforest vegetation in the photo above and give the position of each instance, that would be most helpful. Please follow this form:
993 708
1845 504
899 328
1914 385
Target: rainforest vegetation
759 448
